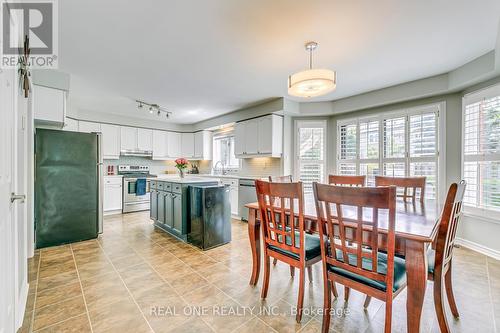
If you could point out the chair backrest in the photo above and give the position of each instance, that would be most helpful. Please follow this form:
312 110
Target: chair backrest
450 217
281 179
280 203
406 183
347 180
341 212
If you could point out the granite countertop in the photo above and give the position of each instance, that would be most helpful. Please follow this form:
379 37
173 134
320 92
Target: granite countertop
188 179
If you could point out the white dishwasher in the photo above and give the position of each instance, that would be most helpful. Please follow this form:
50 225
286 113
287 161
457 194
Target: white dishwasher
246 194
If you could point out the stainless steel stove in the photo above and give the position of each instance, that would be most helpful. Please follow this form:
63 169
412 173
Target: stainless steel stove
131 201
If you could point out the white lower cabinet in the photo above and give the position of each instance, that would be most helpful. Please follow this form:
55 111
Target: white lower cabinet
112 194
233 193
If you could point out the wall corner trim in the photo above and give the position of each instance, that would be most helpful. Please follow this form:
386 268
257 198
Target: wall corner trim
495 254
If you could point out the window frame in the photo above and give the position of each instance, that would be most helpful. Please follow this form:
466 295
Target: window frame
486 214
438 158
214 161
303 123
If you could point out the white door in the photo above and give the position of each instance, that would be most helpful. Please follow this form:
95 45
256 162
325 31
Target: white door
251 140
110 141
266 135
7 209
128 138
145 139
20 206
239 139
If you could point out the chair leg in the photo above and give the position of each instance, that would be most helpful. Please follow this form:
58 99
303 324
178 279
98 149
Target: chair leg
449 292
327 303
265 280
438 302
292 271
300 301
310 273
388 316
275 261
334 289
346 293
367 301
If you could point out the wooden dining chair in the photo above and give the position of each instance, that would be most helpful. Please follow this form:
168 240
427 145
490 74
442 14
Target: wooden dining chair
352 214
346 180
284 179
405 183
440 254
281 179
287 242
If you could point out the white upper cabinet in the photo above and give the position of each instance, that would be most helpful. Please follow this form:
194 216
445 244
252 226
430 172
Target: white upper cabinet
174 145
239 139
110 141
89 127
251 140
259 137
144 139
49 105
203 145
128 138
70 125
160 145
187 144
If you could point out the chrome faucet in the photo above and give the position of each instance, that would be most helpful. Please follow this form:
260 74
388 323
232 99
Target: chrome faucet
223 172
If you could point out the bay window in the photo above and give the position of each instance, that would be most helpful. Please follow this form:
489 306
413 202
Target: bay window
481 151
397 144
310 142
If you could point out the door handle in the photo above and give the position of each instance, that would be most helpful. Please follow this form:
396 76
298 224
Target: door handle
14 197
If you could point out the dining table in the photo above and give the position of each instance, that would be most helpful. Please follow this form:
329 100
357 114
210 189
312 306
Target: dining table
415 229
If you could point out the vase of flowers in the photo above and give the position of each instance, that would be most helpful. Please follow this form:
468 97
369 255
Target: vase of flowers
181 164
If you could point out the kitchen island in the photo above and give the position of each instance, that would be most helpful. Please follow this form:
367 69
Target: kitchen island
170 202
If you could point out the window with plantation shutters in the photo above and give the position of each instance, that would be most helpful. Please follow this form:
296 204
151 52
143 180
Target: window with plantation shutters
310 152
400 144
481 150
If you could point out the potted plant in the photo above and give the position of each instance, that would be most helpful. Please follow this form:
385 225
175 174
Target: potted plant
181 164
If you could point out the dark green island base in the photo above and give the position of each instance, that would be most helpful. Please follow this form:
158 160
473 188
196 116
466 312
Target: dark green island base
170 203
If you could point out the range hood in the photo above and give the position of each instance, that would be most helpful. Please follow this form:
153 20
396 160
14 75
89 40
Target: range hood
138 153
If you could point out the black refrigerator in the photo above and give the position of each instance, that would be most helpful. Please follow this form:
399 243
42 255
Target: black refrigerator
68 187
210 216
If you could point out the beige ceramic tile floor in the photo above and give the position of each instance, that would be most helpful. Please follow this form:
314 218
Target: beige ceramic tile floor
135 278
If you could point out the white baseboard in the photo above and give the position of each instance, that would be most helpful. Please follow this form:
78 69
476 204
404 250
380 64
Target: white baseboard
495 254
112 212
21 306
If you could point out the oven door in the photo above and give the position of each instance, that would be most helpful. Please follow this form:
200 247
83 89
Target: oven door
129 191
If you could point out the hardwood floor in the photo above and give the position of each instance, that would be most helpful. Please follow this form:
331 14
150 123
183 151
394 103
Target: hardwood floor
133 278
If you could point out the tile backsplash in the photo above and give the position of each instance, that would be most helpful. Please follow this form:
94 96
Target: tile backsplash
156 167
262 166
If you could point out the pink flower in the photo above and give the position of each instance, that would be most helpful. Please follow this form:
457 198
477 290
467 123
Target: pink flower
181 163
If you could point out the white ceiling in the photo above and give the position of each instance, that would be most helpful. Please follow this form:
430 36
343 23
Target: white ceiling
201 59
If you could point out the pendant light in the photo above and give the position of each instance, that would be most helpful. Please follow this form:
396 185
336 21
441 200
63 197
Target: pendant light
311 82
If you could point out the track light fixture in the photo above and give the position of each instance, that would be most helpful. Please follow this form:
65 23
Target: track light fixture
153 108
